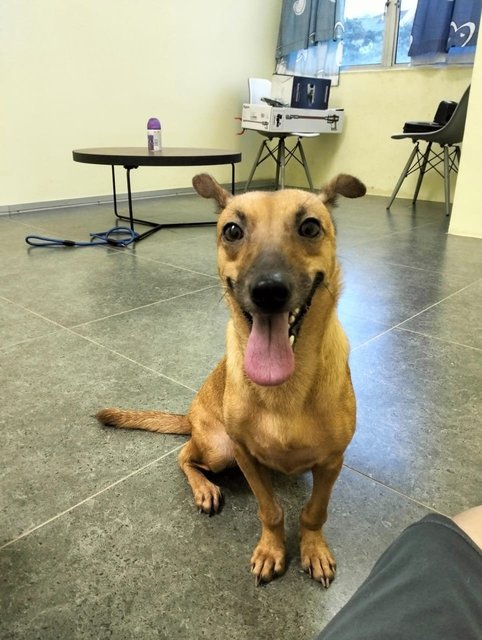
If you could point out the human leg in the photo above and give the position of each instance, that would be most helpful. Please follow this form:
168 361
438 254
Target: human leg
427 585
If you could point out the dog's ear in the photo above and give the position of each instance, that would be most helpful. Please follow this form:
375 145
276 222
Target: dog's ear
207 187
345 185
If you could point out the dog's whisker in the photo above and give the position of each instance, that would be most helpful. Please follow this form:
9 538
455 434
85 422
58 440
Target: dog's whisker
223 297
325 285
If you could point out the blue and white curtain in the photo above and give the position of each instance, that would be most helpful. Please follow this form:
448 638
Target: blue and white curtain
310 40
445 31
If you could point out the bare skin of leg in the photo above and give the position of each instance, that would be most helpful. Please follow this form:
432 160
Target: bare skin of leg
268 559
316 557
470 522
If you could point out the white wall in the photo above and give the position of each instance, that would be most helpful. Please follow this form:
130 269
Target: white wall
88 73
466 218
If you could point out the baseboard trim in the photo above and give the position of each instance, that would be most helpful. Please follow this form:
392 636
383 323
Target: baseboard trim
121 197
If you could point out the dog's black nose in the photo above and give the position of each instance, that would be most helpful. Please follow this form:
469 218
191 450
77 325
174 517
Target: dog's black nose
270 293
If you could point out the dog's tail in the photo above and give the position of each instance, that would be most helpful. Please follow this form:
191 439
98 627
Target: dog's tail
147 420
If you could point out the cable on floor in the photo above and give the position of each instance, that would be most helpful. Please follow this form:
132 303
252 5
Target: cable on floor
110 237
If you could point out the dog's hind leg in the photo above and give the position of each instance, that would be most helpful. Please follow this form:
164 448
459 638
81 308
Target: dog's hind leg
192 460
210 448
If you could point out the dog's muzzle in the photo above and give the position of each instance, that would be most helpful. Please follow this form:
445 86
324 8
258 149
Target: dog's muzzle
274 316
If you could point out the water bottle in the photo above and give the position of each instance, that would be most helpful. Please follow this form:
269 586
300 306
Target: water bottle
154 135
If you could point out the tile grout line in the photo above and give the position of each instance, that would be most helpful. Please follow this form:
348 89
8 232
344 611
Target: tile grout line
142 306
451 295
98 344
56 325
427 335
393 490
89 498
121 355
360 245
35 313
378 261
396 326
175 266
119 313
370 240
121 250
30 340
165 455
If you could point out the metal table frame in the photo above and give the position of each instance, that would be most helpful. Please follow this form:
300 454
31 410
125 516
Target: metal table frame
134 157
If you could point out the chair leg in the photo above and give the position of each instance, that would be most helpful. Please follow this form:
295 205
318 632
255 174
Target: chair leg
403 175
280 164
255 165
305 163
447 179
421 173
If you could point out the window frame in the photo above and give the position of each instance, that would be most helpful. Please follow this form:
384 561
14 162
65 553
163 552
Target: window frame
390 41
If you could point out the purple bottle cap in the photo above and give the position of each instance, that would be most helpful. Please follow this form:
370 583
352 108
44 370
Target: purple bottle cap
153 123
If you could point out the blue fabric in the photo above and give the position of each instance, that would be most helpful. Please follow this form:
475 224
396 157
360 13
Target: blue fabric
440 25
322 59
464 27
431 26
304 23
464 30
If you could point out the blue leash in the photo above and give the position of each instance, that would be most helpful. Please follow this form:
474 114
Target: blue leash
96 239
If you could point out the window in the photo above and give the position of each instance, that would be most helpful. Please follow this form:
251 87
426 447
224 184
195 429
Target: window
377 32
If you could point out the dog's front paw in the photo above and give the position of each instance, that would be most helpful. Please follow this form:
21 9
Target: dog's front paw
267 561
316 558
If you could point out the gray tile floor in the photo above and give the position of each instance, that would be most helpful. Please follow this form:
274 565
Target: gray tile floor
99 537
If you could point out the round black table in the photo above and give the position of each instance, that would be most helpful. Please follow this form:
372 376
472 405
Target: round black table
134 157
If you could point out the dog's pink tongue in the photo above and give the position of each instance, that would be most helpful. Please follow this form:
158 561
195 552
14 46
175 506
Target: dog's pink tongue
269 358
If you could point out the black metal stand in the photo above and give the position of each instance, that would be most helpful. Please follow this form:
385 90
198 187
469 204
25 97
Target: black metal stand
281 154
155 226
423 162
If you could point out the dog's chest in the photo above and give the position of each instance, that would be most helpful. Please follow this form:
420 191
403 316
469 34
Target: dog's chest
284 443
287 460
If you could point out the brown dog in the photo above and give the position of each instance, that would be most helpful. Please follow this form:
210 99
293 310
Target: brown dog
282 396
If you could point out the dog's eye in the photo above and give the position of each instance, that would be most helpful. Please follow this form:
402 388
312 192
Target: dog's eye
232 232
310 228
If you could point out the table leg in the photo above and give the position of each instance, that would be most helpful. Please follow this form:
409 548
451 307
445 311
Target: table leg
129 196
156 226
114 193
280 173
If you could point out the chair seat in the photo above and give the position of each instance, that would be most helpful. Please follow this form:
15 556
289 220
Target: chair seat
421 127
290 134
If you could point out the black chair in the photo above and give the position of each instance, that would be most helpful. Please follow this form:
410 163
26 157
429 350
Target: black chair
260 88
447 135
